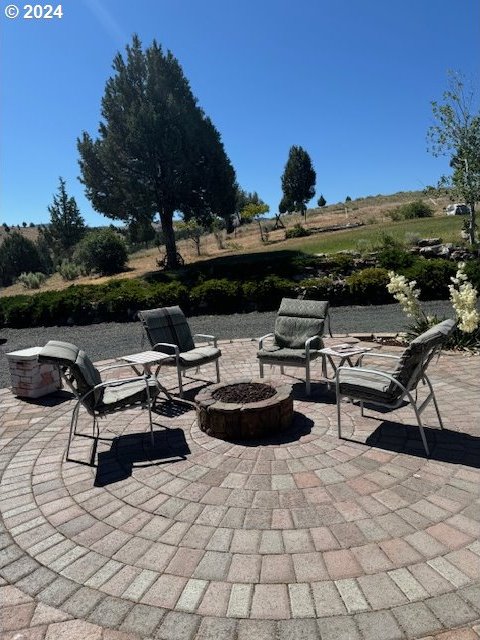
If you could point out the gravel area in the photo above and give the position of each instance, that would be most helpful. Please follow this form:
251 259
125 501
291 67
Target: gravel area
111 339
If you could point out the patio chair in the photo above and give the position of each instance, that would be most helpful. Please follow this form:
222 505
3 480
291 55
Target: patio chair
391 389
168 331
98 397
297 339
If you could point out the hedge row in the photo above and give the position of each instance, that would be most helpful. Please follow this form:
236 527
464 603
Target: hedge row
119 300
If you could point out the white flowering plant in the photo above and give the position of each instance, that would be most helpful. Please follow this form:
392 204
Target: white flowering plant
463 297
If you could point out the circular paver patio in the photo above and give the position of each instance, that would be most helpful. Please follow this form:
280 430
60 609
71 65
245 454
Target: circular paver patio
304 535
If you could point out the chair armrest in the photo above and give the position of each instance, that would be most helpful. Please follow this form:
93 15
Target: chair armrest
359 370
207 337
377 354
109 383
116 366
260 340
167 344
308 342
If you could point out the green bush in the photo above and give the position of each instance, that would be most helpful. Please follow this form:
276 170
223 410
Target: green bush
267 294
32 280
416 209
18 255
217 296
395 257
368 286
102 251
432 277
324 289
472 270
68 270
297 231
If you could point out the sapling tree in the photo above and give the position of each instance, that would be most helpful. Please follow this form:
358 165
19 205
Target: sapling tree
456 134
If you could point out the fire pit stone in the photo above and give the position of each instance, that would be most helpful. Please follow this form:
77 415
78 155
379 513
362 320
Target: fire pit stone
240 420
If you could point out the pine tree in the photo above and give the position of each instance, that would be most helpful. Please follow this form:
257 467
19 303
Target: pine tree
298 179
156 152
67 227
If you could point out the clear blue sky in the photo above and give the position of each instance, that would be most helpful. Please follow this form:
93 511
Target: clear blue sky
351 81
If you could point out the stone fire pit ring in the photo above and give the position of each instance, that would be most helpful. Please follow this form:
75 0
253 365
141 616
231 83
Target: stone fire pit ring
243 420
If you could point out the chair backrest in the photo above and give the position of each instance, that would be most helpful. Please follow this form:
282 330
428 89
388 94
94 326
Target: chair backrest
76 367
167 324
417 356
298 320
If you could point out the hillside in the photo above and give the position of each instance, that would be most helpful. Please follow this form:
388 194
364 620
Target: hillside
371 211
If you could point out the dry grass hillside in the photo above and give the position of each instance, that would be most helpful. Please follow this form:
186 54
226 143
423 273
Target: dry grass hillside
370 211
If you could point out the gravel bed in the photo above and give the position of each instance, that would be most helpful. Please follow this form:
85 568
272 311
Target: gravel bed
112 339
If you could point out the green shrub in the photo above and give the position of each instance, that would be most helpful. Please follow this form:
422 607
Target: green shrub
395 215
368 286
324 288
472 270
18 255
297 231
432 277
341 263
416 209
32 280
267 294
395 257
102 251
68 270
217 296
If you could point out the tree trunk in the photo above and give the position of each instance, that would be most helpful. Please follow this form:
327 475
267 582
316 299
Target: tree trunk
166 218
473 225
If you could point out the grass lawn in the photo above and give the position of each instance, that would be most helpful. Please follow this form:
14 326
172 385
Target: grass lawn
448 228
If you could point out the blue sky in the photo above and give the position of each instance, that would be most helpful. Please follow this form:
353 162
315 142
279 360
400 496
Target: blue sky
349 81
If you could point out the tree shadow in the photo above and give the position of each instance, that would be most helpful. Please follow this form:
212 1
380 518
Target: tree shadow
445 445
132 451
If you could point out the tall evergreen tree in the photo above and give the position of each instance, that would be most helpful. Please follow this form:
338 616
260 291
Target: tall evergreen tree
298 179
156 152
67 227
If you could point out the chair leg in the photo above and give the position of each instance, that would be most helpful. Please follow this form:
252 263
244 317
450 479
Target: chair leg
339 418
420 426
307 378
73 427
282 370
432 394
217 366
180 385
261 368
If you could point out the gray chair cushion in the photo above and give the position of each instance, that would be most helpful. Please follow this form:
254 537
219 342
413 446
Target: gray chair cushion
126 393
198 356
285 355
298 320
167 324
408 372
409 367
367 386
85 375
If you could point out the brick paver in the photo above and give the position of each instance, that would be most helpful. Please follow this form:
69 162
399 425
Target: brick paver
299 536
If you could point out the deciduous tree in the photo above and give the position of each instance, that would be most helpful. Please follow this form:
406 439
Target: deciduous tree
456 133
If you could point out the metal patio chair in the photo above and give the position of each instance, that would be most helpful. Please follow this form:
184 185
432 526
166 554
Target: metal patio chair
391 389
98 397
299 329
168 331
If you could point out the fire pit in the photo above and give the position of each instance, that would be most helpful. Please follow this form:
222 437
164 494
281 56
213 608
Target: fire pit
246 409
